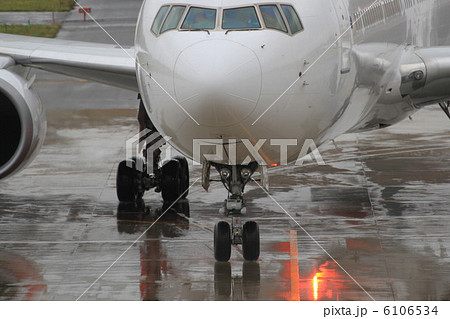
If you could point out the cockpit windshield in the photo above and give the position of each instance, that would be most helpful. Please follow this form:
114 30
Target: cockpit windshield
240 18
272 18
159 19
173 18
280 17
199 18
292 18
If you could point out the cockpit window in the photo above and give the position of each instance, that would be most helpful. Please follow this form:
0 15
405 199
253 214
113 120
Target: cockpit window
292 18
240 18
173 18
183 17
199 18
159 19
272 18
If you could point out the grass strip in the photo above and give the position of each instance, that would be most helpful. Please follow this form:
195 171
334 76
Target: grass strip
38 30
36 5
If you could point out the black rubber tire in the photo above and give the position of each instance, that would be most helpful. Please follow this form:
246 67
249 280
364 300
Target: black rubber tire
125 184
222 241
171 182
250 241
184 175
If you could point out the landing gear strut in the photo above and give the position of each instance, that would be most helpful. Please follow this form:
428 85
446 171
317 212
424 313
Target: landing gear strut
234 179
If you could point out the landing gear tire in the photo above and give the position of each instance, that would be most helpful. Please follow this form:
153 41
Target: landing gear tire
126 182
250 241
171 183
184 175
222 241
175 179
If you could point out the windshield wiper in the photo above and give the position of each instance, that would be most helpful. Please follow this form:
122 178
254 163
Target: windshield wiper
199 29
243 29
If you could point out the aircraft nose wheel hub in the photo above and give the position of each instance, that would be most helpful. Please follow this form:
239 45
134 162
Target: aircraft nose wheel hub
236 234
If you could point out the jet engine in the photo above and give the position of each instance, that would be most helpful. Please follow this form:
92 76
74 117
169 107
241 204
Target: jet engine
23 123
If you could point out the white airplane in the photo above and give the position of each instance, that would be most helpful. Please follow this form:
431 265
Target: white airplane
251 81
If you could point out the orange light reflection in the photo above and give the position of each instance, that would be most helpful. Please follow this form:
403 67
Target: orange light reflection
325 283
316 288
295 275
328 282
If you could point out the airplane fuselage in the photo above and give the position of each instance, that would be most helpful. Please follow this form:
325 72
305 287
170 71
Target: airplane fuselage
337 75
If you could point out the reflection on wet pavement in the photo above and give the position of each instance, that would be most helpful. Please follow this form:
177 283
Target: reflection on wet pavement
19 278
380 212
166 222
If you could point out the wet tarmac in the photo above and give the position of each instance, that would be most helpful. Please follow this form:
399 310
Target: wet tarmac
378 213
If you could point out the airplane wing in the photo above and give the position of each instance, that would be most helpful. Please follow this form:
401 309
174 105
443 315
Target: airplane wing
108 64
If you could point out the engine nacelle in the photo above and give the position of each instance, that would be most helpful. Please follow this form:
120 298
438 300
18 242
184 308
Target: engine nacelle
426 76
23 123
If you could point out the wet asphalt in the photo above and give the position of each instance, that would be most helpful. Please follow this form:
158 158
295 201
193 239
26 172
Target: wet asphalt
373 223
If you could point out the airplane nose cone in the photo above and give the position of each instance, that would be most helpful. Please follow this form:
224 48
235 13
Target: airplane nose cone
218 82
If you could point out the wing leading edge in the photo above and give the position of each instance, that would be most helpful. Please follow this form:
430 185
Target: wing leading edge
102 63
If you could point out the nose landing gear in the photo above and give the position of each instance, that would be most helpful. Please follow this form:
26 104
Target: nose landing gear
247 236
234 179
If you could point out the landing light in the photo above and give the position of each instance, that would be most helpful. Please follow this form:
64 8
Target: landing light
246 173
225 173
